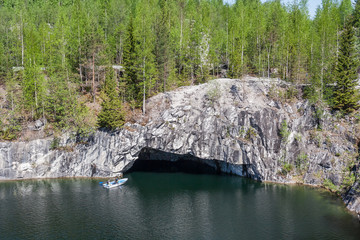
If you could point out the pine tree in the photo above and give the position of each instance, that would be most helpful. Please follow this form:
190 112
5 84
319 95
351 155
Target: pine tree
345 9
356 14
144 50
130 62
162 43
346 96
356 23
60 102
111 115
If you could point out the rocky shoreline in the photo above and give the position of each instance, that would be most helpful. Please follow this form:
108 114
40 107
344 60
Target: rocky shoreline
244 127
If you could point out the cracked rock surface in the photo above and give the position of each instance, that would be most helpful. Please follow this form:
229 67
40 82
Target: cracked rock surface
231 125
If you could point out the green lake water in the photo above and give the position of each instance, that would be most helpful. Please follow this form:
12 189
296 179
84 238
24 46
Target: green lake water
171 206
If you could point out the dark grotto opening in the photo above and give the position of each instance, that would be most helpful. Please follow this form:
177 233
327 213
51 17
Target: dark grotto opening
152 160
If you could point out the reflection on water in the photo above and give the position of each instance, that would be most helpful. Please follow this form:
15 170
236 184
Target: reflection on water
171 206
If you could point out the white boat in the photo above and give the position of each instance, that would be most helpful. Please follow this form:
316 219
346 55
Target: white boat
114 184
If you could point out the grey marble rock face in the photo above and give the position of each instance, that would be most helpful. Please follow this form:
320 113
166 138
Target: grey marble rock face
233 122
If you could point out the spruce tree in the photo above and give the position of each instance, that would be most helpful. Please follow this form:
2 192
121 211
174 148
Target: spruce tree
162 44
356 14
346 96
111 115
130 63
345 9
356 23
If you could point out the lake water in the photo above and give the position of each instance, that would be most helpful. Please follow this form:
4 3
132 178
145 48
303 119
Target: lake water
171 206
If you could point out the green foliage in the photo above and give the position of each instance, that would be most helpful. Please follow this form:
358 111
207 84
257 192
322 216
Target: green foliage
298 137
356 24
286 169
318 115
111 115
291 92
284 132
163 44
302 162
348 181
346 96
328 184
242 132
324 42
316 138
283 94
345 9
319 112
213 92
60 102
34 91
64 49
250 133
55 143
9 131
356 15
274 92
84 120
13 89
130 63
328 141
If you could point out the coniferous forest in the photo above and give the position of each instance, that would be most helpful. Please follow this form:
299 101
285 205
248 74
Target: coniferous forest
87 64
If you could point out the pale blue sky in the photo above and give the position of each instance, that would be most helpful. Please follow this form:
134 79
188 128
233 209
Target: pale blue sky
312 4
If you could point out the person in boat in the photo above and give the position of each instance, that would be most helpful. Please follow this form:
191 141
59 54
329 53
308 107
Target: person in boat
116 180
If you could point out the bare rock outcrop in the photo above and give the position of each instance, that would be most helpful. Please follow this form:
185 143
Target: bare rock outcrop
233 126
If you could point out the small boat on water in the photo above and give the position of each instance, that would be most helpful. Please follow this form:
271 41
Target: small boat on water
114 184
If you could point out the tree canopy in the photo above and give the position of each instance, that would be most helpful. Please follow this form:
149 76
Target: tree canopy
346 96
52 51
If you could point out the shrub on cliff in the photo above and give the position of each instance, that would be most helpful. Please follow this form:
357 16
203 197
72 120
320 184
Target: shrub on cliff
284 132
9 131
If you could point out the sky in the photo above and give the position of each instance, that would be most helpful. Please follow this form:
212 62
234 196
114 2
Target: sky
312 5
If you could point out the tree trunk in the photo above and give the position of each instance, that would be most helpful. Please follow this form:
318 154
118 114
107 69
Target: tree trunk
322 67
12 100
268 62
337 43
165 75
242 58
227 42
36 100
80 72
22 39
144 88
120 51
63 50
287 63
259 52
93 78
181 33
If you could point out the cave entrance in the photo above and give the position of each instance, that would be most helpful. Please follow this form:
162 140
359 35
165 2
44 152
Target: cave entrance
152 160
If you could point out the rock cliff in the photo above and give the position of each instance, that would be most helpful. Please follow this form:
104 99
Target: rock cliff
247 127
